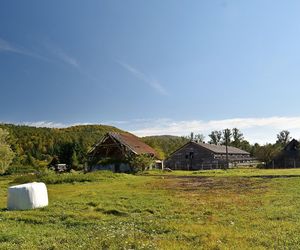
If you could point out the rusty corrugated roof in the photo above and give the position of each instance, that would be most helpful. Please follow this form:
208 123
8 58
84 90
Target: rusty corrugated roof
133 143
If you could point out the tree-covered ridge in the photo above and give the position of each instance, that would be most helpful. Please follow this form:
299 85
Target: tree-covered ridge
37 145
40 145
165 144
34 146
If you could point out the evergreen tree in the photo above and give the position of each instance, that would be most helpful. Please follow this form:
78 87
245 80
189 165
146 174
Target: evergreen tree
74 160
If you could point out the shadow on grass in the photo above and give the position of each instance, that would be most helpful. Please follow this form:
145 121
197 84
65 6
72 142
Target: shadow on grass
115 212
273 176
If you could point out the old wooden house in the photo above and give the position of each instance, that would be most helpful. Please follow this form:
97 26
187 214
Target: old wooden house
197 156
289 157
113 150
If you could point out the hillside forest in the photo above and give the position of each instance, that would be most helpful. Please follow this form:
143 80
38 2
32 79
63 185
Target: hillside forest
33 146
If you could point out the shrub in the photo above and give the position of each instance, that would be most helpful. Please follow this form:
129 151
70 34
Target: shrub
25 169
50 177
140 162
20 169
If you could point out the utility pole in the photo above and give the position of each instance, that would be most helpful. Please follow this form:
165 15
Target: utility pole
226 137
227 160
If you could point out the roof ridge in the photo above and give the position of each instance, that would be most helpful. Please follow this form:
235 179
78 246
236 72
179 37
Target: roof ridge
214 147
134 143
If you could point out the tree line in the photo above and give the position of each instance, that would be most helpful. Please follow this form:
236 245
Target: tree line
30 146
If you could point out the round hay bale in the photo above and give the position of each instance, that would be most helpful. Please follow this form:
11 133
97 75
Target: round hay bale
27 196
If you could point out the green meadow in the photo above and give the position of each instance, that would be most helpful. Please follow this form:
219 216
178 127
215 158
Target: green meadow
217 209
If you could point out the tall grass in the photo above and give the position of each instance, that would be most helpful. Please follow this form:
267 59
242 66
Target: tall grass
231 209
50 177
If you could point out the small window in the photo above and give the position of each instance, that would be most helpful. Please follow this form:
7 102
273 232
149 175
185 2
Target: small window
191 155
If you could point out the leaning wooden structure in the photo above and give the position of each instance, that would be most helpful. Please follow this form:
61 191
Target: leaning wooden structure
114 149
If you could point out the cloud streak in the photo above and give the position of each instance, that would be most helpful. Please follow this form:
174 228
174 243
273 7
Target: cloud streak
6 46
64 57
144 78
58 55
61 55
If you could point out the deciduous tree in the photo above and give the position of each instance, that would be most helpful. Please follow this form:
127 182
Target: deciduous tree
140 162
283 137
237 137
215 137
6 153
226 136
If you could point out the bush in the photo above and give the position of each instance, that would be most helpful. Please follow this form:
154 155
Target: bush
140 162
20 169
50 177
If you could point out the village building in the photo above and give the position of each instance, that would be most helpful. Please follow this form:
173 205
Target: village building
289 157
114 149
198 156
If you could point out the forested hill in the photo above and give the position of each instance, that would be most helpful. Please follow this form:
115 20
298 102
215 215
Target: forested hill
165 144
34 145
38 146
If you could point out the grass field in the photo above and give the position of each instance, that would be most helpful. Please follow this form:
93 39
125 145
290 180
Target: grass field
233 209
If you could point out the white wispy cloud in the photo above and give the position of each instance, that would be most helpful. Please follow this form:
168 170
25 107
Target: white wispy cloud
49 124
44 124
6 46
59 53
261 130
62 55
153 83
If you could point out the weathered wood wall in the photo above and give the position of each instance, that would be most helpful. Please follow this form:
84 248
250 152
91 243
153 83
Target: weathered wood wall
194 157
191 157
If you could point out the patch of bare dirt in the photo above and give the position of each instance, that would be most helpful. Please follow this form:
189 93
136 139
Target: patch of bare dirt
194 183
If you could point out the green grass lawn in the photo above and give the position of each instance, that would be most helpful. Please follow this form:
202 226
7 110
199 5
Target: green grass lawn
233 209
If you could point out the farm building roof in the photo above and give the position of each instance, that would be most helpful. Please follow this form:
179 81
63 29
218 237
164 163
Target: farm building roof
132 142
221 149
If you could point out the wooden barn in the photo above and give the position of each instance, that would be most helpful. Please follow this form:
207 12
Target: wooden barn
113 150
289 157
197 156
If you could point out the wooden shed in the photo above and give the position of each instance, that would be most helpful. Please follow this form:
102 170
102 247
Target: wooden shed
197 156
113 150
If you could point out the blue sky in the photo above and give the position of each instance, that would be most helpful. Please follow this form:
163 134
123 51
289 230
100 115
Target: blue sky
152 67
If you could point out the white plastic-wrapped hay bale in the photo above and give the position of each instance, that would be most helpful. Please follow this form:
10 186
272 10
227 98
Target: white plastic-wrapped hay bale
27 196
